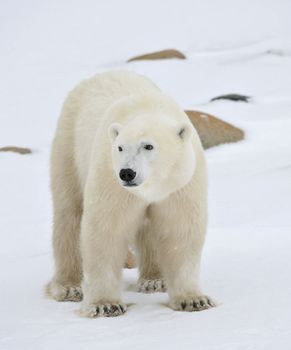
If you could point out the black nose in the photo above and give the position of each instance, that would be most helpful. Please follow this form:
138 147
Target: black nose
127 174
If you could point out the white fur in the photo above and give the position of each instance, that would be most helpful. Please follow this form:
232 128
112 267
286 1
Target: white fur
165 214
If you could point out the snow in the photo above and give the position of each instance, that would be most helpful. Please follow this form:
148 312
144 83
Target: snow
232 47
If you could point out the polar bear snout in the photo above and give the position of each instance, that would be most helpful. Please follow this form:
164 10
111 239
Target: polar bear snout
127 175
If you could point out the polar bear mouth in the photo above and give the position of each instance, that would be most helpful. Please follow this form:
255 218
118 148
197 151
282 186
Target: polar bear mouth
130 184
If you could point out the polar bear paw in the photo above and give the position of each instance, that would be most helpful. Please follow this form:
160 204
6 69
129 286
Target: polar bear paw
61 292
151 286
103 310
196 303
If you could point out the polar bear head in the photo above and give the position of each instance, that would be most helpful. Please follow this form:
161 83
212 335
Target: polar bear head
153 156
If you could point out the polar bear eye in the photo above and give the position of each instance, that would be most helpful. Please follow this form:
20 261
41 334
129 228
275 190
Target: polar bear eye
120 149
148 147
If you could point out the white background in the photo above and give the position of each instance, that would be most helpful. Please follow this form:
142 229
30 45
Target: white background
46 47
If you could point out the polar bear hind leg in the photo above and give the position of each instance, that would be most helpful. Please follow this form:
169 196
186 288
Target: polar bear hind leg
67 203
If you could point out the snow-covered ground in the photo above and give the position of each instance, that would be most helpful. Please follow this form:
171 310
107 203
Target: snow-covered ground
239 47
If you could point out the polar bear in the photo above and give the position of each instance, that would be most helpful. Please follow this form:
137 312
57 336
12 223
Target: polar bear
126 166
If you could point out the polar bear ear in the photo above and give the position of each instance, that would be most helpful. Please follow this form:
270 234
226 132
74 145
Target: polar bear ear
114 130
184 131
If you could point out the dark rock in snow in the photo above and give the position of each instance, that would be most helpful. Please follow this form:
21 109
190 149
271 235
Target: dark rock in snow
232 97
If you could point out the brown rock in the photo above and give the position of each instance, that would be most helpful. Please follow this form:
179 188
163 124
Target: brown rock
15 149
159 55
214 131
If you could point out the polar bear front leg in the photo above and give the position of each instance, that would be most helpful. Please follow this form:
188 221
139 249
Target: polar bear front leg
180 244
104 243
103 253
181 265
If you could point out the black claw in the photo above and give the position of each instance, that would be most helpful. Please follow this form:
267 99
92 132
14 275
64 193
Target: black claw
118 309
122 309
97 310
105 309
114 308
183 304
196 305
202 303
67 293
